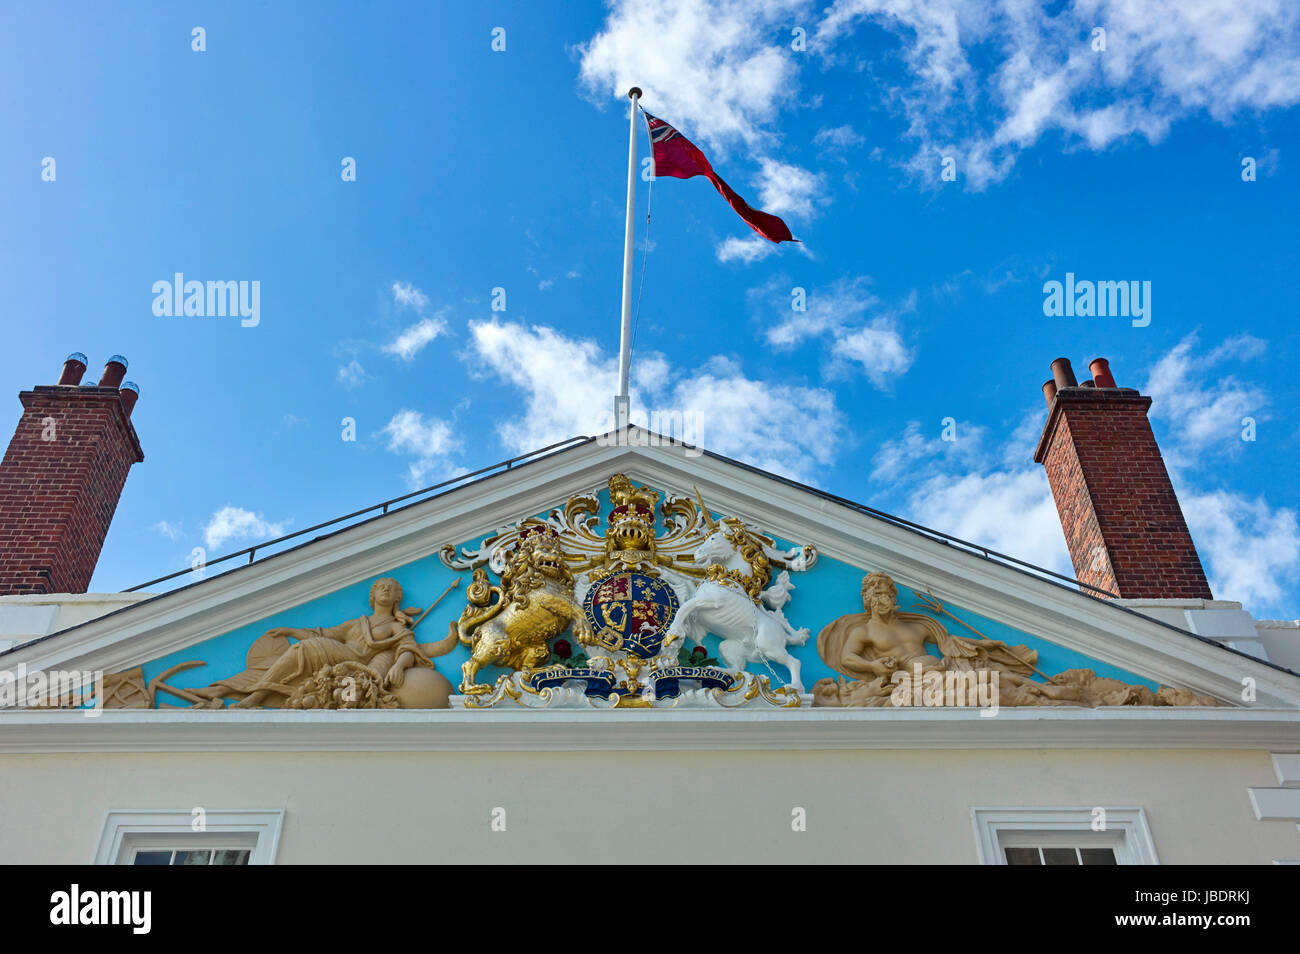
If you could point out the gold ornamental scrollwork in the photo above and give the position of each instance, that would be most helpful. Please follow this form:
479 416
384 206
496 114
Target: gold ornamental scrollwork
633 539
632 586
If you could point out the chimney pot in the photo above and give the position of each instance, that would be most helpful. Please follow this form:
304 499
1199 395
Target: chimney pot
1049 391
129 394
73 368
1100 369
114 372
1088 384
1064 374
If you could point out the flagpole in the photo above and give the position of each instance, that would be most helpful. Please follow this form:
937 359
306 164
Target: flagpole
622 400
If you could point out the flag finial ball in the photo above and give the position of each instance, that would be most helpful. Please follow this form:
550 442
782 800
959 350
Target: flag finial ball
634 93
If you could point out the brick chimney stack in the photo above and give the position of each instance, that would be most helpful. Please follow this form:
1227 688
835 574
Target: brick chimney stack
61 478
1120 514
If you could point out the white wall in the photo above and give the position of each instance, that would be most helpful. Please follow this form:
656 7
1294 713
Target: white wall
1281 640
647 806
24 618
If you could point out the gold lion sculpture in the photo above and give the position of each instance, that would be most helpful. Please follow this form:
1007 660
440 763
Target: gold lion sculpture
511 625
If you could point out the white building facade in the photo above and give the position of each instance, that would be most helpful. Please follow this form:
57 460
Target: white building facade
305 707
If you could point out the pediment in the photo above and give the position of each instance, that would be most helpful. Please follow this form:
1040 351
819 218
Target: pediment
436 548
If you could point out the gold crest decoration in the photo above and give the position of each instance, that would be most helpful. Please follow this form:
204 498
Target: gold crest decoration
630 589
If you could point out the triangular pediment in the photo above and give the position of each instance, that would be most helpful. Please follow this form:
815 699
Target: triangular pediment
826 545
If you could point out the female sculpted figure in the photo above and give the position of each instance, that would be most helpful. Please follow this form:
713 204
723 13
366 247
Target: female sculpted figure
383 642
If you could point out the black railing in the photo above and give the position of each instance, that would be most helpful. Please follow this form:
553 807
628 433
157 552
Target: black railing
936 535
381 508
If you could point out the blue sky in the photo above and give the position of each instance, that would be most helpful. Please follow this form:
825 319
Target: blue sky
479 169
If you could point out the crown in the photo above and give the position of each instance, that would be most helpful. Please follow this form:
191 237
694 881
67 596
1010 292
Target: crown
532 532
627 497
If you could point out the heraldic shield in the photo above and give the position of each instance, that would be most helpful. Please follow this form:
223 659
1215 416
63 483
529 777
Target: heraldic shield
631 612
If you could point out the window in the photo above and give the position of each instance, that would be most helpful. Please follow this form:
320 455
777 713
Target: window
1058 855
190 856
1063 836
184 837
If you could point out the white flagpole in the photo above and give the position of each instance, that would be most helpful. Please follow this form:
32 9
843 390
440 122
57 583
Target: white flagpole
622 400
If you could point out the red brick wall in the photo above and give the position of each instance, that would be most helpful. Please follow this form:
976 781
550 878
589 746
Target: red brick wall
57 497
1118 508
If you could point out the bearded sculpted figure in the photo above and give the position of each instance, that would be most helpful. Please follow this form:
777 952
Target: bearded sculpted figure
870 647
511 625
881 645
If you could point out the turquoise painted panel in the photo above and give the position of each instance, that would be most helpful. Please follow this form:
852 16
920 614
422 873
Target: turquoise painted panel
422 581
829 590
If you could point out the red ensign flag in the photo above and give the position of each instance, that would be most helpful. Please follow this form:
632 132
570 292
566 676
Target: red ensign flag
677 156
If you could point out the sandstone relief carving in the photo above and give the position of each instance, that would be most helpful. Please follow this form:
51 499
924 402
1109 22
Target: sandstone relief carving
883 649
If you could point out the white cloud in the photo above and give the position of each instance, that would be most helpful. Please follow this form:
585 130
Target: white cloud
1268 163
235 524
352 374
787 190
716 69
878 348
837 138
780 428
172 531
896 459
408 296
413 340
1011 511
746 250
984 80
1250 549
569 384
837 315
1242 347
978 80
429 441
1202 407
843 303
992 496
568 387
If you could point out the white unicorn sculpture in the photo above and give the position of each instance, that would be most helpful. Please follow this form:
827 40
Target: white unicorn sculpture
730 602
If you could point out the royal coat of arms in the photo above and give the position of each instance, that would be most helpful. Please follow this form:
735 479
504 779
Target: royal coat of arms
632 590
631 612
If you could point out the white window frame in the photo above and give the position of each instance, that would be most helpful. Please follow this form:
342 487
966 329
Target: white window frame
127 831
1127 832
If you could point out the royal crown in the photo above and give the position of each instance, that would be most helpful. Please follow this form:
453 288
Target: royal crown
630 501
530 533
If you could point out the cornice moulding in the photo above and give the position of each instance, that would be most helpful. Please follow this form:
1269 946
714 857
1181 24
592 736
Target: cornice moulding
186 730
